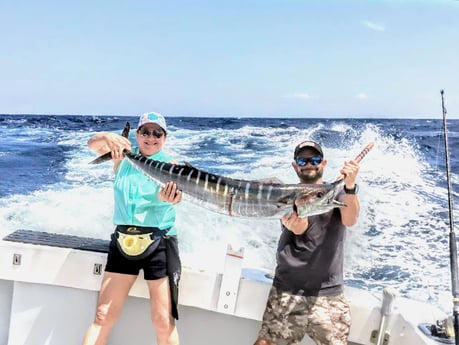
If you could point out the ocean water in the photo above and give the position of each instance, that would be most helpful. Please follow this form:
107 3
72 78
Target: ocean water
401 239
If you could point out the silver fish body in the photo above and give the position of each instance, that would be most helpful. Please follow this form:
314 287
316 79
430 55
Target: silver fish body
240 198
235 197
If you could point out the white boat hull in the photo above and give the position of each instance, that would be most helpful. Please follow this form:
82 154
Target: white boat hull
48 295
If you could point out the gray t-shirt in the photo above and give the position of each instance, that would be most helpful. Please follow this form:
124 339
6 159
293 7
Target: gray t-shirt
311 264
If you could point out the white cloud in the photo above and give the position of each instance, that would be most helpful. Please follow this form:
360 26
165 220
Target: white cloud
374 26
300 95
361 95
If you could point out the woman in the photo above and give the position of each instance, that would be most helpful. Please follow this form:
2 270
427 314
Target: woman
144 238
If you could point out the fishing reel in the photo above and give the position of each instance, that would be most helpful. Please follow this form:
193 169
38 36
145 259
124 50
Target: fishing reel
443 328
442 331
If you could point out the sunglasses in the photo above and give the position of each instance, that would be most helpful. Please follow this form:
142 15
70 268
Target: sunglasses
302 162
158 133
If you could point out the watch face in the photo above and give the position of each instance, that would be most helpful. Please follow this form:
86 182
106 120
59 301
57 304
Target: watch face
352 190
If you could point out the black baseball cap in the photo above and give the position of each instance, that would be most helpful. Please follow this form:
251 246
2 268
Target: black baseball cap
308 144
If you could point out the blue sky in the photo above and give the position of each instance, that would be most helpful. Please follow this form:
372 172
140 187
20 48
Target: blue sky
267 58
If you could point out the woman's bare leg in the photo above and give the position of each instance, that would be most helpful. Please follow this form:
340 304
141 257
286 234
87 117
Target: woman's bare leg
163 322
113 293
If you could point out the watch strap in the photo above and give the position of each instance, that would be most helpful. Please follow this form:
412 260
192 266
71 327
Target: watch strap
351 190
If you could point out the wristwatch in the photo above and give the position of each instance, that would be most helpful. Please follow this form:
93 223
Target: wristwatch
352 190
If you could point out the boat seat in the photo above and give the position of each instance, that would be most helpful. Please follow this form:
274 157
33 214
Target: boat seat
58 240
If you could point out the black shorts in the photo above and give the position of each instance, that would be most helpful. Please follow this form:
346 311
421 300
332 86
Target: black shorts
154 266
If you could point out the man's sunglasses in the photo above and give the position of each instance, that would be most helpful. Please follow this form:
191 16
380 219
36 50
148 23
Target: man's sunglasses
158 133
302 162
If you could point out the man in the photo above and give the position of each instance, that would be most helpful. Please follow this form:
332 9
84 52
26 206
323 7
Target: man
307 292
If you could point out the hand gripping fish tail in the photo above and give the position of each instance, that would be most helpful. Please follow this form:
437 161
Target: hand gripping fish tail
107 156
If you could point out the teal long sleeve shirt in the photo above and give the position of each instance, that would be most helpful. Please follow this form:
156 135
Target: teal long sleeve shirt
136 198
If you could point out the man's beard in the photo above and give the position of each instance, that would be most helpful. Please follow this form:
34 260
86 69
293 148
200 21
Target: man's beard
310 175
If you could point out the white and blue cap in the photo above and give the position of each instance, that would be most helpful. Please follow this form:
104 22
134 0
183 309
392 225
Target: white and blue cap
152 118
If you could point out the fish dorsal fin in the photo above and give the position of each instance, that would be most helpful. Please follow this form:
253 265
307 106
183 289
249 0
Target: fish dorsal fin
187 164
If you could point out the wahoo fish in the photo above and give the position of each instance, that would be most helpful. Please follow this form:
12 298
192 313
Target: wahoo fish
237 197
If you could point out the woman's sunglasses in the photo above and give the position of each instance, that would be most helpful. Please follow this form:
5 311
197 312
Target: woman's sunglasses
158 133
302 162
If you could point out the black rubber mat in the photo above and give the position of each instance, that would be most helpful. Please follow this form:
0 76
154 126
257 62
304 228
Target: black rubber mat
58 240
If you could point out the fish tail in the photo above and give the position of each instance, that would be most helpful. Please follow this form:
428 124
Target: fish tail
108 156
105 157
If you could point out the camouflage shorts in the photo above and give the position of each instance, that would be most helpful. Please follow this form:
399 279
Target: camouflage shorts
287 318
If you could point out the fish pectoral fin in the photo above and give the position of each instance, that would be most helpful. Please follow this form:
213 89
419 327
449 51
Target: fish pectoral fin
189 165
286 200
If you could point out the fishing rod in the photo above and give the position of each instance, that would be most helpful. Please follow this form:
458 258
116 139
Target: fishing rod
364 152
452 235
359 157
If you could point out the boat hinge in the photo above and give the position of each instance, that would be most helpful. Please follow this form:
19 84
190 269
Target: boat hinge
97 269
374 337
17 259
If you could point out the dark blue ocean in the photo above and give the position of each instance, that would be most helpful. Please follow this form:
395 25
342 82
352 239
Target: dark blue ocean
401 239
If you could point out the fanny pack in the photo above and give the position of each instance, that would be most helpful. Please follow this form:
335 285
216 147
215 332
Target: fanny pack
137 242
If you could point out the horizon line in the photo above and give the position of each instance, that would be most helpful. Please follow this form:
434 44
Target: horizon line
363 117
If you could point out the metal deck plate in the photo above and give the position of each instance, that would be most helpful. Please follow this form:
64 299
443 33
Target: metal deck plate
58 240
